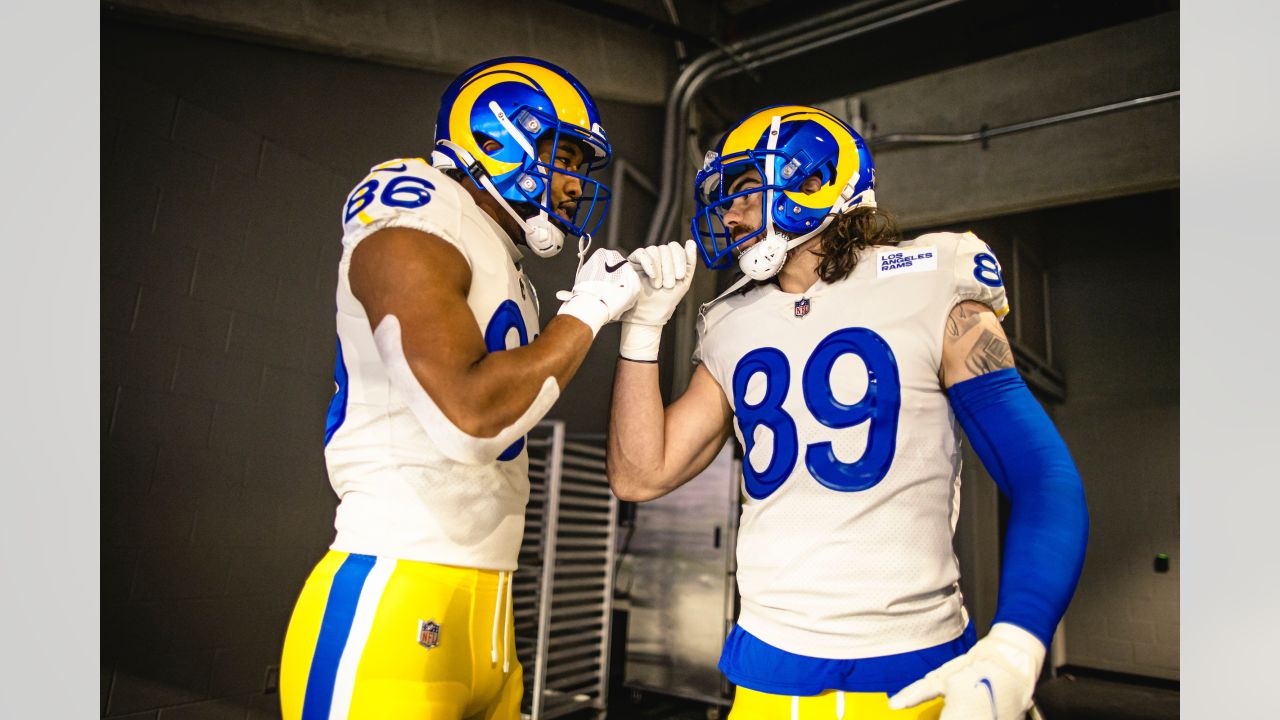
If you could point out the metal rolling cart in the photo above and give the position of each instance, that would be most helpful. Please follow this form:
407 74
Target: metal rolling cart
563 599
677 576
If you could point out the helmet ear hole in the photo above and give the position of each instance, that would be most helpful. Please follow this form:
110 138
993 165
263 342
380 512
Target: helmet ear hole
487 144
829 171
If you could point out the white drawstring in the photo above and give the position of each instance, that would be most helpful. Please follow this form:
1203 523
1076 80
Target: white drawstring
493 642
839 705
506 627
584 243
795 707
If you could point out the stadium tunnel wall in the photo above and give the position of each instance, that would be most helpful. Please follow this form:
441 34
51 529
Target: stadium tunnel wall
225 165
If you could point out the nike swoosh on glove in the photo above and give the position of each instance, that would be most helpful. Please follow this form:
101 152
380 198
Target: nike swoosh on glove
606 287
993 681
669 269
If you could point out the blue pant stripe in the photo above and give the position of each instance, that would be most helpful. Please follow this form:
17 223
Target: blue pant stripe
339 611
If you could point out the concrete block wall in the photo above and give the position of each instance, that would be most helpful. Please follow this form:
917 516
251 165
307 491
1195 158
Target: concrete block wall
1113 274
224 166
1117 334
214 491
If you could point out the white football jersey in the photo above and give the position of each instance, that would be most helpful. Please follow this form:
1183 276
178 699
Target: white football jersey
851 476
399 495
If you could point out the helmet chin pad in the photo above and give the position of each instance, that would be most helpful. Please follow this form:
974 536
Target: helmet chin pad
542 236
765 258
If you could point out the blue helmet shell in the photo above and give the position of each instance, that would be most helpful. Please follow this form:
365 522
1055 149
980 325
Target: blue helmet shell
809 142
519 102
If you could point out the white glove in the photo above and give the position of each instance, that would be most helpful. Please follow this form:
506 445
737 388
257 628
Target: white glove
670 270
606 286
993 681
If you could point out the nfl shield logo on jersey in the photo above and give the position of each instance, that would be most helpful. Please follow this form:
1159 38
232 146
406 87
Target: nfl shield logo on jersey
802 307
428 633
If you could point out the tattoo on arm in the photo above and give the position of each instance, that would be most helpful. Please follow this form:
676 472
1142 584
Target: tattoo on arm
989 354
961 320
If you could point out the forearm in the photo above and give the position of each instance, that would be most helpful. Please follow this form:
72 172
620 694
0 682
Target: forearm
637 432
499 387
654 450
1049 521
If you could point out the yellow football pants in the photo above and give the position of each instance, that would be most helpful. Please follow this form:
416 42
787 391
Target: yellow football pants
376 637
830 705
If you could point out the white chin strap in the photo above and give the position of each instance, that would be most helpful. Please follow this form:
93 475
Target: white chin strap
542 235
766 258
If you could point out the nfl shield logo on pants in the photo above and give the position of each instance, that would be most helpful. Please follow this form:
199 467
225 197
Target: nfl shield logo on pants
802 307
428 633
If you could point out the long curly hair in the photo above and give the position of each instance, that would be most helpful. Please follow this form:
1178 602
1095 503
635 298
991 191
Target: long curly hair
850 233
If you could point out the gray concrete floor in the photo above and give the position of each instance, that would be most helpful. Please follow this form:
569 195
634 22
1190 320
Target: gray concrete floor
1068 697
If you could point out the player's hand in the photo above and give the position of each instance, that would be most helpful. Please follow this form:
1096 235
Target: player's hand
606 287
993 681
669 271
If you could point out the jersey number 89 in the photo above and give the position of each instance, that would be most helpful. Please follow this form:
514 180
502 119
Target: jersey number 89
879 406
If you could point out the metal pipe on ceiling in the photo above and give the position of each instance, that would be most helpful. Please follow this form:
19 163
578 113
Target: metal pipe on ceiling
988 133
755 52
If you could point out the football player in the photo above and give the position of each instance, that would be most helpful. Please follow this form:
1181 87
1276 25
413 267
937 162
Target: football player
842 361
441 371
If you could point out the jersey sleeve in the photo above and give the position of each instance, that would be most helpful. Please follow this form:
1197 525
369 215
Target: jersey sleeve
409 193
700 338
708 344
710 315
978 275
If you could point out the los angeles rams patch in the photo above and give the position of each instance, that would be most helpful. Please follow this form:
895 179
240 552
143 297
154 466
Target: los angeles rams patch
896 261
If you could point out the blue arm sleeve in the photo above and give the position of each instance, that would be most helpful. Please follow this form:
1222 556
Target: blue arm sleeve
1049 523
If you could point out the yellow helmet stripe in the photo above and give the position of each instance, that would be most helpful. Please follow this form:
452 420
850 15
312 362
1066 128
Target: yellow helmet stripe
568 104
460 119
747 135
564 97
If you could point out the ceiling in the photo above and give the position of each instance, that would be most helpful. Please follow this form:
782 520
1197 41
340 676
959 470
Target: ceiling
964 33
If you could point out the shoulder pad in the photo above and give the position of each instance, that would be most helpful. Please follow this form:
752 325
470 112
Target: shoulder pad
978 274
406 192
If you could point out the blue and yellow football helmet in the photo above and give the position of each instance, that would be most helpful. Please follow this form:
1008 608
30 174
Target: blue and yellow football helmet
517 102
786 144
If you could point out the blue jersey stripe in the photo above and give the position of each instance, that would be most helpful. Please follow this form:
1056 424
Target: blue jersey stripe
338 404
339 611
753 663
